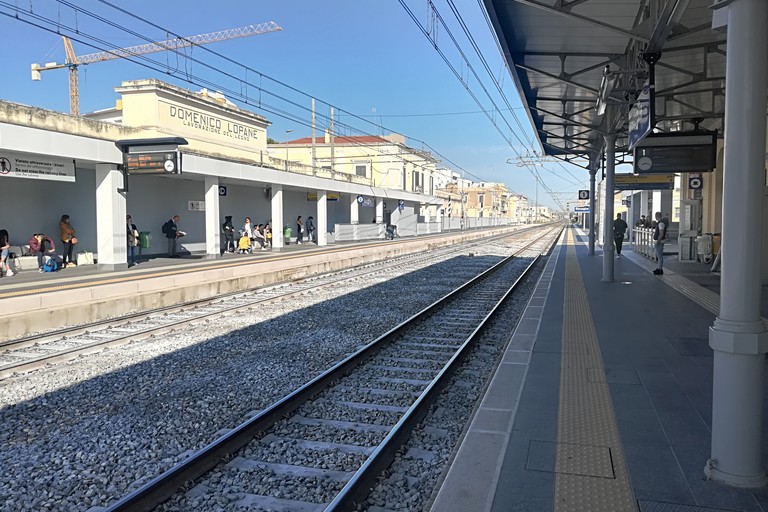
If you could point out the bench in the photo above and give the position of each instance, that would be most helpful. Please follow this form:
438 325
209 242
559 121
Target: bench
23 260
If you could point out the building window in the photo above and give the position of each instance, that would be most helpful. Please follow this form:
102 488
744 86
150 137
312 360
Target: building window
361 170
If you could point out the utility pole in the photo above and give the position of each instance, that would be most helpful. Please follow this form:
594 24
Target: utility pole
286 149
333 162
314 153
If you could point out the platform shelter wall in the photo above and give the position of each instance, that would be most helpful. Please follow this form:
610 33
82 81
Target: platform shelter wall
35 206
152 200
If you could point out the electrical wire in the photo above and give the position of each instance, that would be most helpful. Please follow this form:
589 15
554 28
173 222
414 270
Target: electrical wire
102 45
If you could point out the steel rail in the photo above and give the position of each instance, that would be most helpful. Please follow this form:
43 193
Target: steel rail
361 483
169 482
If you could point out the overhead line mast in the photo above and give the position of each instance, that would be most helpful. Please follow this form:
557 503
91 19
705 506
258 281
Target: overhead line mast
73 61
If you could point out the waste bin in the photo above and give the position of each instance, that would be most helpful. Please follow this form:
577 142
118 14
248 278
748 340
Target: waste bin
287 232
145 238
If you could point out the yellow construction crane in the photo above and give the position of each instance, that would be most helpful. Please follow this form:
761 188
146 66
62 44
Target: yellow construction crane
73 61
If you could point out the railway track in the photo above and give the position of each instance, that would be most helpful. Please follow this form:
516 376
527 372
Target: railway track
34 352
345 426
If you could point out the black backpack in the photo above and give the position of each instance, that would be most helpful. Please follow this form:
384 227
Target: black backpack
167 227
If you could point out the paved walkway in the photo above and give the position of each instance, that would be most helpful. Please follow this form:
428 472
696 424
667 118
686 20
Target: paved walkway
610 409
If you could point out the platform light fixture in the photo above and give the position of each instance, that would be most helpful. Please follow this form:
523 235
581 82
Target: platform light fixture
606 87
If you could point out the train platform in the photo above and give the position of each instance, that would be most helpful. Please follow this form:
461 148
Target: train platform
34 302
603 401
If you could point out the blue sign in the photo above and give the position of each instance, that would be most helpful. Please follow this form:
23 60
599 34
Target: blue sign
401 207
581 209
640 117
360 199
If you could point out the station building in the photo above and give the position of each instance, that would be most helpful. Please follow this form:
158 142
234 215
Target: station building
55 164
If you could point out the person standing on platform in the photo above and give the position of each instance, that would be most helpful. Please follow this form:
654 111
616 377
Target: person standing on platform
299 230
67 237
132 234
229 234
619 228
310 229
248 228
172 234
659 238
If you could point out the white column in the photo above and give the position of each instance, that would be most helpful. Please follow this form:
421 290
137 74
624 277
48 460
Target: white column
322 218
738 336
212 223
111 242
354 210
427 216
610 165
644 210
277 216
379 210
592 212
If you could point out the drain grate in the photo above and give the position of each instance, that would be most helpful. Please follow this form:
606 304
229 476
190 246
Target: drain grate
660 506
691 346
575 459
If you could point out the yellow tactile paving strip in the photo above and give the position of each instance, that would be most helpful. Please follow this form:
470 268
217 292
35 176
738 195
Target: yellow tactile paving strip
586 425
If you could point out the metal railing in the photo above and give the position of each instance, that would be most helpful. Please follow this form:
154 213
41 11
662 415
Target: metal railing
644 243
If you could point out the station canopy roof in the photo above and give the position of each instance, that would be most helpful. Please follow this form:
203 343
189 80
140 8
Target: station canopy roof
564 54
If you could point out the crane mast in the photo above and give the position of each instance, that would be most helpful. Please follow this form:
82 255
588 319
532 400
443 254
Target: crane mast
73 61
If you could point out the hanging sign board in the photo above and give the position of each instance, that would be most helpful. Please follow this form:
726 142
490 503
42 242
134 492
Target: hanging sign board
663 153
39 167
153 162
640 116
581 209
644 182
329 196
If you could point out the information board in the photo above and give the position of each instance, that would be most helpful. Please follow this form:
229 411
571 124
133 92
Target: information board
644 182
153 162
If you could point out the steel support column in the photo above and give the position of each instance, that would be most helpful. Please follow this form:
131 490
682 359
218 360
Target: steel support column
592 216
610 166
738 335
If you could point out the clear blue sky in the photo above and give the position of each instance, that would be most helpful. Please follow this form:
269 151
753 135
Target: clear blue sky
366 57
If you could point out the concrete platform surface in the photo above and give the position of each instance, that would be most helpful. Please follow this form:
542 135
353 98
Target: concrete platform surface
604 399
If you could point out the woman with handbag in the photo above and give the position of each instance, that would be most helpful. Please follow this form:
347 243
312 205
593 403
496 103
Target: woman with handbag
67 236
133 240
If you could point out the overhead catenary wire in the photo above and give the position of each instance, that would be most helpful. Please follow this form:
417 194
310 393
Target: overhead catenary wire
83 37
458 75
247 68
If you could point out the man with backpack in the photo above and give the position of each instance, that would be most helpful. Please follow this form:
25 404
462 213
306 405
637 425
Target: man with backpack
619 228
172 233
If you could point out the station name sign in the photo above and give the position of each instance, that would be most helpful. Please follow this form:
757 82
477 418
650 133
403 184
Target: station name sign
209 123
644 182
153 162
